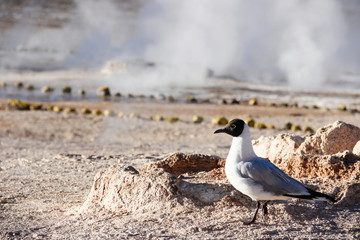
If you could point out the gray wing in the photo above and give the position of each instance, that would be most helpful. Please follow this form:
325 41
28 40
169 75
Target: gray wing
272 179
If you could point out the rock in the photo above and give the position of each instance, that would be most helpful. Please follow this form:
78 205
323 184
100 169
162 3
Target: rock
179 163
36 106
295 128
66 89
295 105
171 98
351 195
57 109
331 139
191 99
260 125
96 112
288 125
250 122
347 156
156 117
315 166
134 115
85 111
172 119
315 106
124 190
47 89
18 104
278 148
82 92
19 84
197 119
308 129
262 146
270 126
282 150
253 102
342 108
29 87
235 101
220 121
356 149
109 113
104 91
160 96
69 110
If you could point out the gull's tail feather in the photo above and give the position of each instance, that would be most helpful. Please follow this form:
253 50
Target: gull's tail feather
320 196
314 195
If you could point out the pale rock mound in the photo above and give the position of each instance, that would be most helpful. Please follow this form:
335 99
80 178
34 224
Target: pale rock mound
277 148
342 166
331 139
356 149
351 195
262 146
327 154
181 182
125 190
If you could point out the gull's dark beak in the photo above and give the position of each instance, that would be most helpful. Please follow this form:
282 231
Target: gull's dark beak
219 131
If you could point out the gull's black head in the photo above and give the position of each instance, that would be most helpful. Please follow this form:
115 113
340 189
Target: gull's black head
234 128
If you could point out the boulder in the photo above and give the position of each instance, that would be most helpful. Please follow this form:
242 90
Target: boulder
351 195
278 148
123 189
262 146
331 139
343 166
327 154
179 163
356 149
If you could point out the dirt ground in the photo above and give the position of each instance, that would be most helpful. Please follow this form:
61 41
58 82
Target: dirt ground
48 161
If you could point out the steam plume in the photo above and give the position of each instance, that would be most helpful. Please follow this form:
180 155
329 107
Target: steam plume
305 43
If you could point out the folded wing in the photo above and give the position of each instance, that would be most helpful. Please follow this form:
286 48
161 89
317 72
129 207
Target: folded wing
272 179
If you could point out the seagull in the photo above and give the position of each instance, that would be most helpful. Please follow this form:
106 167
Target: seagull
257 177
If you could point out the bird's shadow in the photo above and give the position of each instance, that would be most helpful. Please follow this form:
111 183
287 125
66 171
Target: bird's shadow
297 212
305 211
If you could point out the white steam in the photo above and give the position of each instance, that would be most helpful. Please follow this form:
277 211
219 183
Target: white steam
303 42
310 41
295 40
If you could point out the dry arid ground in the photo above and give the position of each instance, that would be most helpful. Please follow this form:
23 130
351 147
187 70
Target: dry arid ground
48 162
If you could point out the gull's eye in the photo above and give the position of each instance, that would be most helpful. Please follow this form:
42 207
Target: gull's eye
233 126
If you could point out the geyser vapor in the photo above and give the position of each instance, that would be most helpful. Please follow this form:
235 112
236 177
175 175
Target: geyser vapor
303 42
260 40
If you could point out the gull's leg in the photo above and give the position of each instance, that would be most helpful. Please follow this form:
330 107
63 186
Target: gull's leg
265 209
254 217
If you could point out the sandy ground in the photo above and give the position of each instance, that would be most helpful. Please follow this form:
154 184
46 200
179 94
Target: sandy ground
48 161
